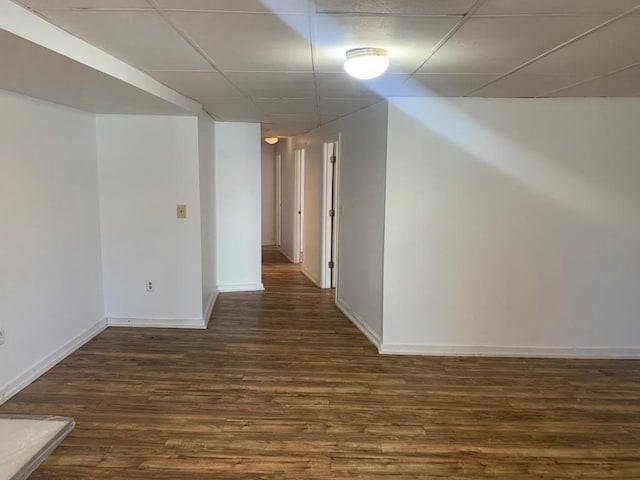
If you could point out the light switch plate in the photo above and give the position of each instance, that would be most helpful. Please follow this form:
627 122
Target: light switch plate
181 211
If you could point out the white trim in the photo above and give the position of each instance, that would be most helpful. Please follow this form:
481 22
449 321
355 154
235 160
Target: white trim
196 323
51 360
372 336
499 351
209 310
241 287
310 276
269 244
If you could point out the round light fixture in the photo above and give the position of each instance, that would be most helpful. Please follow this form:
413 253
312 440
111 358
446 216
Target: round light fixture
366 63
271 140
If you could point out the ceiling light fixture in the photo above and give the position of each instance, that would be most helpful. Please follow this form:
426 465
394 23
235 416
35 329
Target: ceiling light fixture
366 63
271 140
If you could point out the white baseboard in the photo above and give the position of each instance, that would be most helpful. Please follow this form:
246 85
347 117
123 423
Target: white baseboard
25 378
241 287
491 351
282 251
372 336
269 244
311 277
210 304
194 323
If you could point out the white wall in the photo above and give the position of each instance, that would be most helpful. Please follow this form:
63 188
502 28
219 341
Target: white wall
362 165
50 281
288 197
238 206
207 214
513 226
268 194
147 166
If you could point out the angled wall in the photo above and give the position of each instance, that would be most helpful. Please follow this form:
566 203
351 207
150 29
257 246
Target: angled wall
51 281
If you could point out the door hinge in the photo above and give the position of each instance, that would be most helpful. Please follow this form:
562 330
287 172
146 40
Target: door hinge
332 213
331 265
332 159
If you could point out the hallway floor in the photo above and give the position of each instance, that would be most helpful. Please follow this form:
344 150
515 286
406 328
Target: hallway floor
282 386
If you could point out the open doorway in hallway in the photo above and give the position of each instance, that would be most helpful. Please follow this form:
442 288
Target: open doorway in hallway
331 215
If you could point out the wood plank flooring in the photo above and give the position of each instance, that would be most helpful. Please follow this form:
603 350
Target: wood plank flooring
282 386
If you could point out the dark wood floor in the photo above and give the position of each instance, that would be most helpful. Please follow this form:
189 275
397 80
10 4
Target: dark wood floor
282 386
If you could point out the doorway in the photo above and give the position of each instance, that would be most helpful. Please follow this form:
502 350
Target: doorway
331 213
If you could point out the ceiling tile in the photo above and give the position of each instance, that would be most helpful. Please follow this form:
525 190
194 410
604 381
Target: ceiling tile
235 110
541 7
622 84
335 107
610 48
408 39
397 7
446 85
499 44
280 106
142 39
524 86
197 85
291 119
86 4
275 6
341 85
250 42
270 85
288 130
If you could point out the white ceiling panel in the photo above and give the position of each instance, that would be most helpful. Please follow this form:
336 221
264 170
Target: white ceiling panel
291 119
283 106
287 129
197 85
274 6
603 51
396 7
541 7
250 42
337 107
235 110
85 4
58 79
270 85
446 85
499 44
407 39
522 86
142 39
622 84
341 85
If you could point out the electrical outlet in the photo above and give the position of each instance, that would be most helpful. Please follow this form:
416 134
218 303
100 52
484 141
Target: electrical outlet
1 337
149 286
181 211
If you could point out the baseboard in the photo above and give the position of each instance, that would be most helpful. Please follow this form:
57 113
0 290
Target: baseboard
492 351
372 336
51 360
241 287
194 323
271 244
286 255
210 304
308 274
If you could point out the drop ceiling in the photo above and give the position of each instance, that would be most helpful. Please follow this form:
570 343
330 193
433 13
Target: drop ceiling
279 62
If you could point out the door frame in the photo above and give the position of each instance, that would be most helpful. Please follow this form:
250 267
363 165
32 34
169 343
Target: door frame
326 224
298 231
278 198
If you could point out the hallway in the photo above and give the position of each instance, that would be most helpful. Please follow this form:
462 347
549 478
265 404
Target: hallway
282 386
